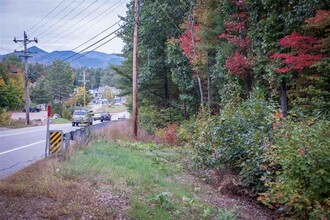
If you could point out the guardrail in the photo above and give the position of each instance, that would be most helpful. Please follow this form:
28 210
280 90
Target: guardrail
83 135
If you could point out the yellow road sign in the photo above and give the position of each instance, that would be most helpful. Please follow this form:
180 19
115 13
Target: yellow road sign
55 141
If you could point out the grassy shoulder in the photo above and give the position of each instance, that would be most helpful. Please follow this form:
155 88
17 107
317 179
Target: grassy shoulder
116 177
109 180
152 178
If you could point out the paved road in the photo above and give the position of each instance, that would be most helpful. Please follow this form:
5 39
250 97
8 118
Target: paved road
21 147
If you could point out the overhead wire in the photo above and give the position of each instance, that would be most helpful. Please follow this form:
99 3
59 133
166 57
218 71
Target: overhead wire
61 19
33 32
170 18
93 44
81 55
91 38
120 2
79 21
79 13
95 48
45 16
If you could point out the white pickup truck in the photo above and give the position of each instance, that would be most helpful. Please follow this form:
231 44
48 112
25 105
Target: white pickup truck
82 116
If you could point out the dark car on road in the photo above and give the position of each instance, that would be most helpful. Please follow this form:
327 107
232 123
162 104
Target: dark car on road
105 117
33 109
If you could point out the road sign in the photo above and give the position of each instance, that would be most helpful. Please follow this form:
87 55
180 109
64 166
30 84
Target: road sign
55 141
49 110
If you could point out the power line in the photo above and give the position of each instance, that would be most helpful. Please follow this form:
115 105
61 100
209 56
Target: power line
54 25
53 17
120 2
50 40
91 38
170 18
46 16
93 44
81 55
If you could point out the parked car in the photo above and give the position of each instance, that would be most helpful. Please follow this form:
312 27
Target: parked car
97 118
82 116
55 115
33 109
105 117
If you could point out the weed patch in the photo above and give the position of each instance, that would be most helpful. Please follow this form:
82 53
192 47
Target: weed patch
39 192
145 174
119 179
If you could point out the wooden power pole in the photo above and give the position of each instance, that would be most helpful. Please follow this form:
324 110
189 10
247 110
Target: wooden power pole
25 55
135 68
84 81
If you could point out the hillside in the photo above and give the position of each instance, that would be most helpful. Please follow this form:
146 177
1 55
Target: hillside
92 59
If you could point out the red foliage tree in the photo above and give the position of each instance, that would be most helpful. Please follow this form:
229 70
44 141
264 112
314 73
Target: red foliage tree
189 42
305 52
239 64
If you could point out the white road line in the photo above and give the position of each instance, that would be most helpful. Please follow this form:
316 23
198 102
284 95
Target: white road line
24 132
29 145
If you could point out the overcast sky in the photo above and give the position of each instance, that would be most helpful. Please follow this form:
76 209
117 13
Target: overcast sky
60 24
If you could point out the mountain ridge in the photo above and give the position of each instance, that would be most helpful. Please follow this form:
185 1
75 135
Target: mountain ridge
90 59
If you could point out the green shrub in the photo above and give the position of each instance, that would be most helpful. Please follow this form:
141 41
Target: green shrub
66 111
204 139
168 135
4 117
186 130
302 179
152 118
237 138
57 108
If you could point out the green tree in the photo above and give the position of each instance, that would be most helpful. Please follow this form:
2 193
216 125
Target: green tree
60 80
270 21
159 21
82 96
11 83
35 71
108 78
107 93
40 93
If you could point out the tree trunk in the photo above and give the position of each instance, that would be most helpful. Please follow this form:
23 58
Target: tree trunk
135 68
284 98
208 88
166 87
195 53
200 90
248 85
184 110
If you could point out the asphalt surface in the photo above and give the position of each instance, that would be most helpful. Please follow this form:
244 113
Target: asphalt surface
21 147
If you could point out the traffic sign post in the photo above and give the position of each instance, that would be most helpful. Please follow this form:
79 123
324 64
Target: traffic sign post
55 141
49 112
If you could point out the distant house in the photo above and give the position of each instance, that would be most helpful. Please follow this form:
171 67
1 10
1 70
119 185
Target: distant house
99 96
114 90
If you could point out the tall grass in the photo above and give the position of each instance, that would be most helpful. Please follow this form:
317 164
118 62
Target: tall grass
150 178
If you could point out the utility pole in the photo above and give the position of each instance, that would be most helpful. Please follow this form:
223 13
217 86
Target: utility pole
26 53
135 68
84 81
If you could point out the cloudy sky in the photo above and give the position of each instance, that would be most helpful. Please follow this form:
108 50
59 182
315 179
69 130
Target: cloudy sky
61 24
